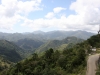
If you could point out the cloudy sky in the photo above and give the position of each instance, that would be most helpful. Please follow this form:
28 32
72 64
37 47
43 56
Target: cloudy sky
48 15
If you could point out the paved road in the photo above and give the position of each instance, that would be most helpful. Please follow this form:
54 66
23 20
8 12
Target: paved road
91 64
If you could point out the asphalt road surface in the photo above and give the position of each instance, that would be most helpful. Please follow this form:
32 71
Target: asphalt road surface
91 64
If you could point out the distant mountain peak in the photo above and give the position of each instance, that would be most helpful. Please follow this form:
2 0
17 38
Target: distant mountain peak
38 32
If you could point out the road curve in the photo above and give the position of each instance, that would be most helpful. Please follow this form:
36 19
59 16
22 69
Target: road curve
91 64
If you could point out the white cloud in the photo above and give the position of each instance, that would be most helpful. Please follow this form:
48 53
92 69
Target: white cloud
50 15
86 17
10 11
89 11
29 6
58 9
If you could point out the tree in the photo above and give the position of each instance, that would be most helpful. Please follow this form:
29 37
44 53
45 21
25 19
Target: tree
49 53
35 56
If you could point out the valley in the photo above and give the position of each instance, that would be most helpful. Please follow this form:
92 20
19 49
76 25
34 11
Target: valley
34 55
49 37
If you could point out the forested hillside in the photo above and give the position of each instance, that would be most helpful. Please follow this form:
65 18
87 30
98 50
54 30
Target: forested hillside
10 51
9 54
94 41
28 45
70 61
4 64
59 44
33 42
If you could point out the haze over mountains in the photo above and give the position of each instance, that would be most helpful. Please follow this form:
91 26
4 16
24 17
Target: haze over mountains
63 34
40 35
38 41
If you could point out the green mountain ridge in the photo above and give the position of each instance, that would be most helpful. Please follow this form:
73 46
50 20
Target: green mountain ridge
10 51
70 61
28 45
39 35
58 44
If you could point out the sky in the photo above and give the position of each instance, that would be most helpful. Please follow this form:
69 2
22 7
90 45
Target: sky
48 15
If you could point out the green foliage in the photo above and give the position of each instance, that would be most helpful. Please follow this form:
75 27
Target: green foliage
4 65
52 63
10 51
94 41
70 61
59 44
28 45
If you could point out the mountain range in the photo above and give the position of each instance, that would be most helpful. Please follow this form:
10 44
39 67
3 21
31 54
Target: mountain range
43 36
63 34
59 44
16 46
71 61
27 43
38 41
